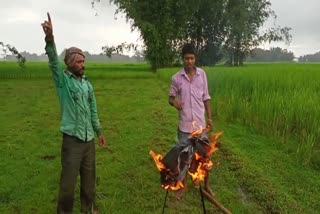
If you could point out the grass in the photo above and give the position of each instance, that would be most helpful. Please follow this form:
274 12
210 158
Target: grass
256 172
268 173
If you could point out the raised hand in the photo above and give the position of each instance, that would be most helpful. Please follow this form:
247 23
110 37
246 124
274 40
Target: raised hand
47 28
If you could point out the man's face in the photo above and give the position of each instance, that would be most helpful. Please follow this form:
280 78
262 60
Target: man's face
189 61
78 66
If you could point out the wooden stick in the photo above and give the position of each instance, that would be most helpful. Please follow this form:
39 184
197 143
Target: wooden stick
215 202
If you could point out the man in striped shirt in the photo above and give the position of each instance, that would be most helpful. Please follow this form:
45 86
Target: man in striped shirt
79 124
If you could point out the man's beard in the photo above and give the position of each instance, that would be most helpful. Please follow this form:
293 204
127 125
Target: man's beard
78 73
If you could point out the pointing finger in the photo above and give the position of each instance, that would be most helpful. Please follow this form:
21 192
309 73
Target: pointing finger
49 18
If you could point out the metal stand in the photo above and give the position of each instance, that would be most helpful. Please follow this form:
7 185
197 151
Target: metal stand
165 201
202 200
203 204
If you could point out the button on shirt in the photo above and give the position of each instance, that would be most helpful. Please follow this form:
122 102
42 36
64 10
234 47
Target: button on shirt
192 93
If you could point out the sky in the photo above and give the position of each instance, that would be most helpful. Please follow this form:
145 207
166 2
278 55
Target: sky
75 23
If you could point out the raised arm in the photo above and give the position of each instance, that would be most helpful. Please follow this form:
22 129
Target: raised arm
54 64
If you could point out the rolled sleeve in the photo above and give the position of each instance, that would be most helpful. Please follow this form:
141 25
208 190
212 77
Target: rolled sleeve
173 88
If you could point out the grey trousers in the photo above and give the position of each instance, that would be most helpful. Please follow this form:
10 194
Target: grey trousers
77 157
182 138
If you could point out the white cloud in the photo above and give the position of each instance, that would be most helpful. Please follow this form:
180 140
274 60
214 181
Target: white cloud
23 16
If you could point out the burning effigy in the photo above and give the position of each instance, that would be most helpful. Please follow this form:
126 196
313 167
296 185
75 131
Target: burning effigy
193 159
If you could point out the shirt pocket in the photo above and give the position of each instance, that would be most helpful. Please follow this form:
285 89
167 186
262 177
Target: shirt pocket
197 92
90 95
75 94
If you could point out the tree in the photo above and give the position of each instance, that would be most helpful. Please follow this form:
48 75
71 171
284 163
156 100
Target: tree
272 55
310 58
212 25
206 30
245 18
20 59
118 49
161 24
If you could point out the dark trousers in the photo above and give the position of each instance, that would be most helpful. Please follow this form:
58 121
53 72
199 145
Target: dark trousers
77 157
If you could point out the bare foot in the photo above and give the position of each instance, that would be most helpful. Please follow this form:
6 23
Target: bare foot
208 190
180 193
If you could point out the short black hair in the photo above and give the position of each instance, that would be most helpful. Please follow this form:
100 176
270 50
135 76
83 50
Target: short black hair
188 48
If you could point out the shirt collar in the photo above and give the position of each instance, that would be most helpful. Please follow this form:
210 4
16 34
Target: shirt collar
183 72
74 76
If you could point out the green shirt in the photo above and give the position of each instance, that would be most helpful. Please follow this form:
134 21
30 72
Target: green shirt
78 106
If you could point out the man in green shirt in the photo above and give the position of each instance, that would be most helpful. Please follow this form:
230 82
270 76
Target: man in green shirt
79 123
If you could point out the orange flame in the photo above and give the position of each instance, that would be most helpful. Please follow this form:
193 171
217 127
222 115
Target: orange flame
161 167
157 160
213 142
204 164
196 132
175 187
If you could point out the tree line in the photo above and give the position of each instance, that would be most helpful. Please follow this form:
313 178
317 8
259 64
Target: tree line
257 55
89 57
310 57
272 55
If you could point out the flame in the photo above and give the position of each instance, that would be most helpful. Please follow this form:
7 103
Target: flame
196 132
213 142
204 163
161 167
175 187
202 169
157 160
